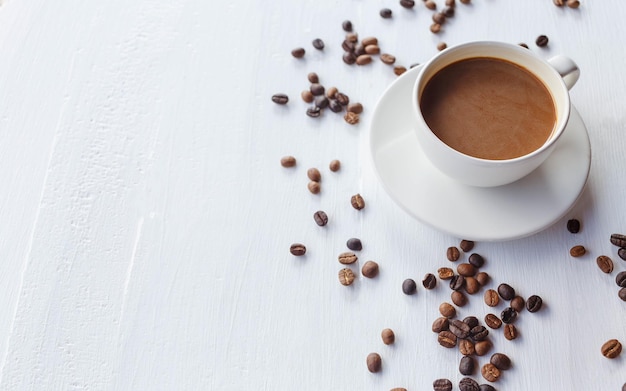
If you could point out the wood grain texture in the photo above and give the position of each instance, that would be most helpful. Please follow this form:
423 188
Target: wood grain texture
145 220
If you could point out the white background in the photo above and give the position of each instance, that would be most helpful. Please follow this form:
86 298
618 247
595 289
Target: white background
145 221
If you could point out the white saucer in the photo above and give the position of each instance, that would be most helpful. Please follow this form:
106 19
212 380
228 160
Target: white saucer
506 212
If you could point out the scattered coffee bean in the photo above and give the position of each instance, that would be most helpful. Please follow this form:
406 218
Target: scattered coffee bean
322 102
559 3
363 59
506 291
522 44
446 339
357 202
429 281
534 303
622 294
346 25
331 92
374 362
466 245
314 187
510 331
448 12
458 298
618 240
490 372
334 165
439 18
479 333
573 3
430 4
307 96
457 282
445 273
314 112
297 249
450 3
398 389
388 336
482 347
573 226
314 174
477 260
442 385
352 37
369 269
435 28
518 303
288 161
622 253
349 58
542 41
467 365
318 44
387 58
493 321
491 298
471 321
407 3
317 89
611 348
440 324
459 328
620 279
508 315
409 287
486 387
280 99
347 258
385 13
342 98
354 244
321 218
466 269
466 347
372 49
369 41
351 118
467 383
605 264
346 276
312 77
298 52
356 108
398 70
577 251
442 46
471 285
453 254
447 310
483 278
500 361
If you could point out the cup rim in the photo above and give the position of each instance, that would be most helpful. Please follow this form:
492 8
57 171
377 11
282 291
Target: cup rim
562 118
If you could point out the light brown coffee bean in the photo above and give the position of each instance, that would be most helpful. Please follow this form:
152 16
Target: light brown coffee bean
346 276
435 28
370 269
369 41
357 202
450 3
442 46
577 251
611 348
352 37
314 174
388 336
314 187
355 108
387 58
466 269
446 339
458 298
347 258
351 118
605 264
372 49
429 281
518 303
510 331
317 89
491 297
374 362
618 240
482 347
363 59
297 249
453 254
398 70
331 92
573 3
447 310
321 218
440 324
466 245
490 372
307 96
288 161
483 278
313 77
493 321
334 165
398 389
466 347
439 18
471 285
500 361
445 273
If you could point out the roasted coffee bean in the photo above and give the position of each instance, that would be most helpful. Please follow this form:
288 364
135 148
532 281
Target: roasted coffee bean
369 41
335 106
468 384
477 260
459 328
491 298
445 273
348 46
483 278
388 336
490 372
297 249
534 303
342 98
442 46
322 102
618 240
440 324
349 58
351 118
577 251
542 41
457 282
359 49
493 321
317 89
448 12
442 385
352 37
453 254
372 49
479 333
314 112
447 310
387 58
288 161
346 25
620 279
622 253
622 294
573 226
510 332
518 303
559 3
346 276
500 361
347 258
466 245
611 348
409 287
446 339
429 281
363 59
471 321
331 92
573 3
466 347
314 187
298 52
354 244
439 18
458 298
506 291
369 269
374 362
312 77
385 13
605 264
321 218
467 365
334 165
307 96
318 44
482 347
280 99
314 174
508 315
486 387
357 202
407 3
356 108
435 28
430 4
466 269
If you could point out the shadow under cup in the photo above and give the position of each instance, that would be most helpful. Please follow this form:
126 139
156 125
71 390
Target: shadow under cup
489 172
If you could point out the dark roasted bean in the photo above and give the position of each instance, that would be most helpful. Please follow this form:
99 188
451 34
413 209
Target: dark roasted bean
429 281
534 303
317 89
483 278
618 240
486 387
448 12
335 106
348 46
453 254
388 336
342 98
321 218
466 245
466 269
349 58
611 348
288 161
280 99
573 226
605 264
490 372
493 321
477 260
370 269
409 287
508 315
357 202
387 58
297 249
318 44
439 18
355 107
446 339
577 251
374 362
407 3
479 333
298 52
501 361
620 279
458 298
506 291
442 385
334 165
322 102
467 365
510 332
346 25
312 77
459 328
518 303
542 41
622 294
385 13
468 384
471 321
354 244
491 298
314 112
622 253
440 324
457 282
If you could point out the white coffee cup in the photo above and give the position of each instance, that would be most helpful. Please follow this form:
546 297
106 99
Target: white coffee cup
558 75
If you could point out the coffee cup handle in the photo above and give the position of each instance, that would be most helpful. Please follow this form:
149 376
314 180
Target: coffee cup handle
567 68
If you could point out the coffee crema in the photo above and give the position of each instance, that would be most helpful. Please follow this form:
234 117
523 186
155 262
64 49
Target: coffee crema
488 108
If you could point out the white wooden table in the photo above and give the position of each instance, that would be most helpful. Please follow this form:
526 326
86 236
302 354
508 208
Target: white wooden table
145 220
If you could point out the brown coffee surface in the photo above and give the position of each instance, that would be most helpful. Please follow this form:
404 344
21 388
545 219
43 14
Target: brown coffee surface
489 108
